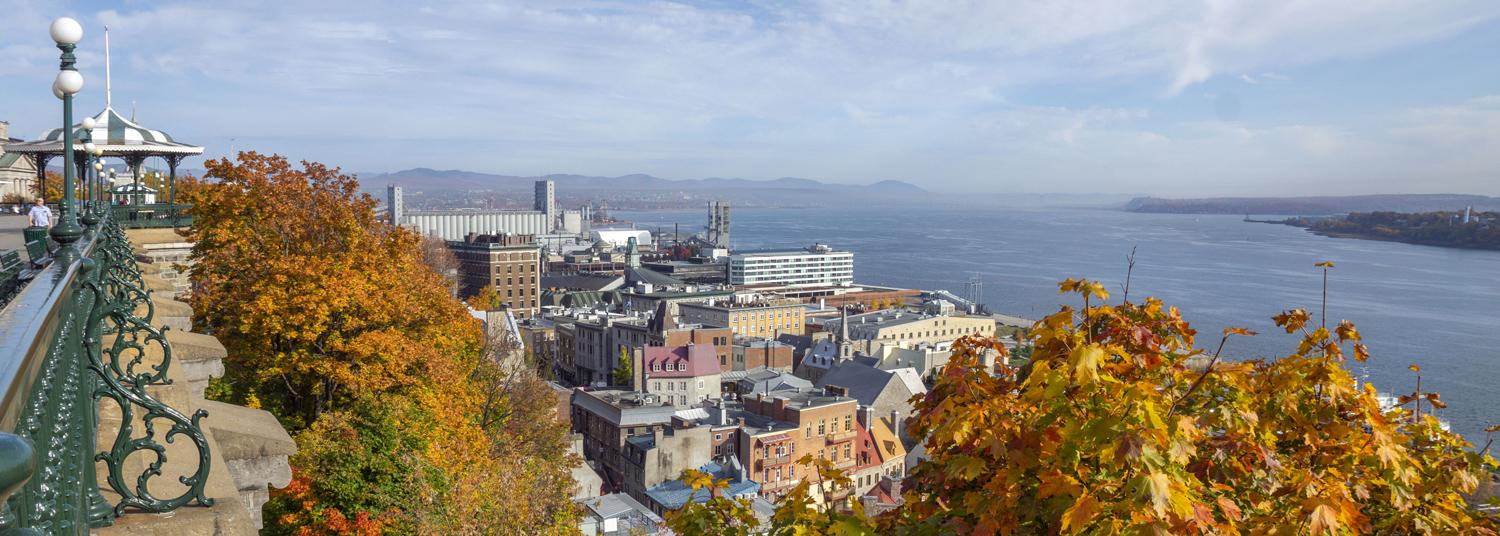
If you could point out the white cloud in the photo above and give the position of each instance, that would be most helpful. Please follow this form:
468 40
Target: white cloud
845 90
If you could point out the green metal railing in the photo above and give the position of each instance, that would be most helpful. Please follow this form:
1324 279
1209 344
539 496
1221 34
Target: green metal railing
152 215
69 340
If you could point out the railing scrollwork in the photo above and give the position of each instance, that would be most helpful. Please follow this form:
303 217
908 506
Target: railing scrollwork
83 342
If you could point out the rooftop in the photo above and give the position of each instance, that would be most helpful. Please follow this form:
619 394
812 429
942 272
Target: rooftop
815 249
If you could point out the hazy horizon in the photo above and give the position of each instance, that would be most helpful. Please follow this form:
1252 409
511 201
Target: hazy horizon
1173 99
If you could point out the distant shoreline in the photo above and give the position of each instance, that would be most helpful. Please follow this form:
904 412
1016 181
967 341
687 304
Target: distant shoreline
1398 238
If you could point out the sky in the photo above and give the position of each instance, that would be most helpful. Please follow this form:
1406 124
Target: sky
1171 98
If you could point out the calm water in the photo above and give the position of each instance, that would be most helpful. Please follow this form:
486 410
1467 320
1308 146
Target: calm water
1432 306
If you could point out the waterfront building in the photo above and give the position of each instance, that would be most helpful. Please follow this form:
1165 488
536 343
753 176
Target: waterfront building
817 265
510 263
696 271
906 328
544 220
757 318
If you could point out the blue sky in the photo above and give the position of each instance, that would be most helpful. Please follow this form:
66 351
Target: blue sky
1179 98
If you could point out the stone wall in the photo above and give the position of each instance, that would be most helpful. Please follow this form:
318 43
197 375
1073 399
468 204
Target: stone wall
249 448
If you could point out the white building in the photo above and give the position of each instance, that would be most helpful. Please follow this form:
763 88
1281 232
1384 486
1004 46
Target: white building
620 237
818 265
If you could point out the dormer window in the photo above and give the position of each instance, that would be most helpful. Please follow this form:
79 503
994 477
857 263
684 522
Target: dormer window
656 367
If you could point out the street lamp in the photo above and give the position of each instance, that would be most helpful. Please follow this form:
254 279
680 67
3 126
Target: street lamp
67 33
90 188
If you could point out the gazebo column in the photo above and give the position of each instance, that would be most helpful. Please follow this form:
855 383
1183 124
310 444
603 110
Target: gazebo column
172 162
135 177
40 161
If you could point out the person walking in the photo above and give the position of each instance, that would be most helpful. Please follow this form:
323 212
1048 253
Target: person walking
40 215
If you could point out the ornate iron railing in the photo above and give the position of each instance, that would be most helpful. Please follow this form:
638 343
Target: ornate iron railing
152 215
70 340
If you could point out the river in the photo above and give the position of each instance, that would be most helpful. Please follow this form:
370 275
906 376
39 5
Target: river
1435 307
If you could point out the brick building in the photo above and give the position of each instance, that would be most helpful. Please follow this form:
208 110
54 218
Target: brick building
509 262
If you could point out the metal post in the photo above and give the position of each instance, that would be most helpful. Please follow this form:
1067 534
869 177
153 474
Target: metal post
67 231
172 188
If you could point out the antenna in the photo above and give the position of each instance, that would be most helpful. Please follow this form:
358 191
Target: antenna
106 68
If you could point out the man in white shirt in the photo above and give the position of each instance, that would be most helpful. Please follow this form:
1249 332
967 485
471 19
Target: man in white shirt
40 215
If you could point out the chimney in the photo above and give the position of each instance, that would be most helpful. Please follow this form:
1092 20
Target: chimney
896 423
779 411
893 486
866 416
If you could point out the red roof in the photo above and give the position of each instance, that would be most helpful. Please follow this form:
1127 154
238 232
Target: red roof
681 361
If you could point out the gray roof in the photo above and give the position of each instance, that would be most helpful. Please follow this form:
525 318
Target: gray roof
620 407
865 383
761 380
652 277
582 281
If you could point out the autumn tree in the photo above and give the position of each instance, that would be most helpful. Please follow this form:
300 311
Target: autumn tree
1120 424
335 324
1108 429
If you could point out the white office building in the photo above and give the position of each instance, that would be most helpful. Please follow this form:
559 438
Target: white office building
818 265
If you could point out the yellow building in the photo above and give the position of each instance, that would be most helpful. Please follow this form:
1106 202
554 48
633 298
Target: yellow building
760 319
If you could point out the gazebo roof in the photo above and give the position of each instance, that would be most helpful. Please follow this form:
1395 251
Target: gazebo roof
115 135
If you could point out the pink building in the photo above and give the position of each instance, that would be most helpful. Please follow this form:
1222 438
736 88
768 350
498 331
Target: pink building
683 375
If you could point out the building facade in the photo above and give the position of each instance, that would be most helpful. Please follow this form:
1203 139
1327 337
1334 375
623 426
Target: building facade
757 319
683 375
817 265
796 423
511 263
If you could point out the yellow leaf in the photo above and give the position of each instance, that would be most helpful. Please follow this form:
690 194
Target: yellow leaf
1324 264
1078 516
1159 486
1239 331
1324 519
1414 368
1085 361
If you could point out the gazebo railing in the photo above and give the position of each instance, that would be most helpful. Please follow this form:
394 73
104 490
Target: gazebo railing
68 341
152 215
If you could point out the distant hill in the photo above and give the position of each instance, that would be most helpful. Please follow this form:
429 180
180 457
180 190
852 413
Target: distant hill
1314 206
453 179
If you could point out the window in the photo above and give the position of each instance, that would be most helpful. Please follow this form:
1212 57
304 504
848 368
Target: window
700 384
718 436
821 428
846 451
807 432
656 367
682 385
848 423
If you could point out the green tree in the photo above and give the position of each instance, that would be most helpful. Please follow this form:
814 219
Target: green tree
624 368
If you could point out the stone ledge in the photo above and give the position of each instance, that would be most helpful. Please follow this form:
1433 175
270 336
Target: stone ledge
255 449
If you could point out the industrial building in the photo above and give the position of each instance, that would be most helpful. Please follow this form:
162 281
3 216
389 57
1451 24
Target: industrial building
544 220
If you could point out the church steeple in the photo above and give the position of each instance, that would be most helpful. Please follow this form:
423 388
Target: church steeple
846 347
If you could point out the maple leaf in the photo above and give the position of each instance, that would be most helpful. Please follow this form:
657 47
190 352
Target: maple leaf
1239 331
1414 368
1292 320
1324 518
1077 516
1492 428
1085 361
1230 510
1361 352
1159 490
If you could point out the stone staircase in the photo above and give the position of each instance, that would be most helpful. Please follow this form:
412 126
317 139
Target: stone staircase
248 447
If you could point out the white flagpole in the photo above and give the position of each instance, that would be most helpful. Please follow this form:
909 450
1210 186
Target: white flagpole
106 68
